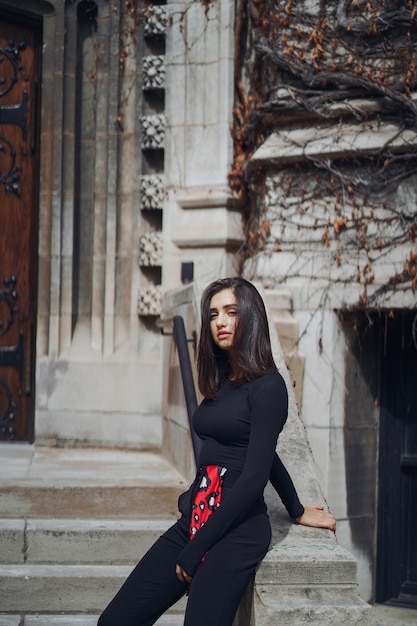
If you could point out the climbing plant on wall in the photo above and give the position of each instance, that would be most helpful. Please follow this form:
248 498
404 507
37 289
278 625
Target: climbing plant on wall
318 65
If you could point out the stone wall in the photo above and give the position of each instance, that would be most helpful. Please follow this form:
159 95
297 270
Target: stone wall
203 222
135 152
324 277
333 179
98 349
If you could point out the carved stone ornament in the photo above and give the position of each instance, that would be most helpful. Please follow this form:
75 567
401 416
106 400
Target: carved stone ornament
149 301
153 75
153 131
155 22
150 246
152 192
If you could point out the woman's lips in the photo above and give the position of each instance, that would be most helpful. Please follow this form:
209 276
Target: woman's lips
222 335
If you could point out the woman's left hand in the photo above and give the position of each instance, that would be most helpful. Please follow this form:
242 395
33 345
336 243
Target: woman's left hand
182 574
317 517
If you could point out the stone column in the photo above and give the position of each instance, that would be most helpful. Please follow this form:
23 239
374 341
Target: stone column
202 222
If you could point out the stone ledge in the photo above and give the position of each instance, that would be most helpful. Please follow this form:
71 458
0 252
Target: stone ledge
289 146
299 606
204 197
219 227
298 560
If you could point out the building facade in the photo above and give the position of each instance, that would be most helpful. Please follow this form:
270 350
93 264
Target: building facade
147 145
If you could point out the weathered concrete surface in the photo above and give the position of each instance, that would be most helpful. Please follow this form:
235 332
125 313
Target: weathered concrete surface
303 562
74 523
73 620
308 551
62 588
27 465
56 588
381 616
299 605
10 620
67 589
78 540
12 541
75 482
105 502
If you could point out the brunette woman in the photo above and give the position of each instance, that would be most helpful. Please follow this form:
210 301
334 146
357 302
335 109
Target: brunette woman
212 552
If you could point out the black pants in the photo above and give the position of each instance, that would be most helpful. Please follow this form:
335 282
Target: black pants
216 588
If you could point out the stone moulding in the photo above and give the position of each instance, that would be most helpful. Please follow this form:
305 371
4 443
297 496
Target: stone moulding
155 22
153 73
209 217
150 249
153 131
205 197
149 301
290 146
152 192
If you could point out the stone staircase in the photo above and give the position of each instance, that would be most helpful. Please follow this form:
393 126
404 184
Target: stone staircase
73 522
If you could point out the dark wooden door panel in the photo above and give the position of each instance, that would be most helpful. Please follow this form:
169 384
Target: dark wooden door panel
19 164
397 517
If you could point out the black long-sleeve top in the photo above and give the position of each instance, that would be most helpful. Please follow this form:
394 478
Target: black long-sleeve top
239 430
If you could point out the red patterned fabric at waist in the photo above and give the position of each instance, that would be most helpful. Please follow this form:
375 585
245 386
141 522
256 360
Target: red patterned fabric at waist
208 496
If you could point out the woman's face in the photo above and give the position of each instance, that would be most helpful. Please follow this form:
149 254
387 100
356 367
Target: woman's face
223 318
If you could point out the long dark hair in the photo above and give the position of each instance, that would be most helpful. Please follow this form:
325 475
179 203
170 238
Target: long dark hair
251 352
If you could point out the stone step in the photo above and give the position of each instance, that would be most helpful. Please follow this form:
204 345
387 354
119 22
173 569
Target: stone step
307 605
382 615
295 559
88 483
92 483
78 589
74 620
73 522
105 502
68 541
81 541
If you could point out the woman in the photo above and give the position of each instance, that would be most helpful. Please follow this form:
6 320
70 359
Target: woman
212 551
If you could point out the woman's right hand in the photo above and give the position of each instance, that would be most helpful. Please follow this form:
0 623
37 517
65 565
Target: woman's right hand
182 574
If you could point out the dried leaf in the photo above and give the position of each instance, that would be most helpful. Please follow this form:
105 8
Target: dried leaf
339 225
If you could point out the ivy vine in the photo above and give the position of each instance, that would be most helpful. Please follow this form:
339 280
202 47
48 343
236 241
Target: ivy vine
341 62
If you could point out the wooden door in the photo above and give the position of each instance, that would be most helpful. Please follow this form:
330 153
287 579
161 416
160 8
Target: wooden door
397 489
20 39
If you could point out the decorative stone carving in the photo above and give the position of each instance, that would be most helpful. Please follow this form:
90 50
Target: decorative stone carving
152 192
153 73
155 22
149 301
150 247
153 131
